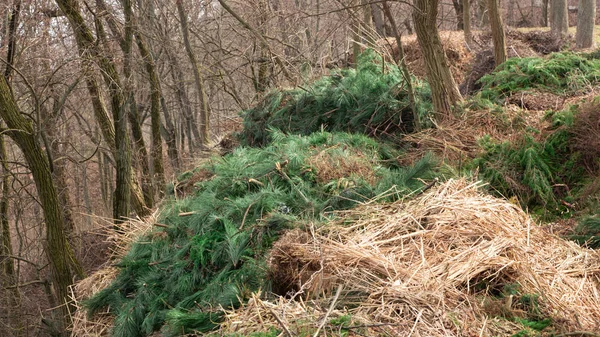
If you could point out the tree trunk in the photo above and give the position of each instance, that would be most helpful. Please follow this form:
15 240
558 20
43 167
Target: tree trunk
367 24
402 66
586 16
141 154
560 18
467 22
510 20
58 250
498 36
444 90
458 10
545 13
204 113
378 20
126 187
7 263
482 18
155 95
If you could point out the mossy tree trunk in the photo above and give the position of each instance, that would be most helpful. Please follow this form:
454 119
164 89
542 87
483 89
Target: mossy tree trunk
141 153
155 95
498 36
7 263
60 255
444 90
586 16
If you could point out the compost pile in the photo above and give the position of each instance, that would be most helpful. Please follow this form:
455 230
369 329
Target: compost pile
452 262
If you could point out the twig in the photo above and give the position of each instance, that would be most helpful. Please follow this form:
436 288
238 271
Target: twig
246 214
370 326
161 225
416 321
285 329
186 213
578 333
430 185
337 294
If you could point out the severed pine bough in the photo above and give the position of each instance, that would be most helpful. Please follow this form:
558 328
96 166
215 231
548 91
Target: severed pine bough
451 262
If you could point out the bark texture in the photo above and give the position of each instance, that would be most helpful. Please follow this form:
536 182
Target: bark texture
204 114
586 16
498 36
560 17
467 22
444 90
126 187
58 251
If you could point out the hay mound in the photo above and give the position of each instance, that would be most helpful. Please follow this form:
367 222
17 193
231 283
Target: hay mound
459 57
451 262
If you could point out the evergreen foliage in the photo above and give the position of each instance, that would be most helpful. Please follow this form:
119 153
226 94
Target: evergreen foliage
176 278
564 72
371 99
587 232
540 170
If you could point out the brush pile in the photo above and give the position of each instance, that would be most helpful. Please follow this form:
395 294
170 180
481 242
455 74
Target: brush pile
451 262
207 252
371 99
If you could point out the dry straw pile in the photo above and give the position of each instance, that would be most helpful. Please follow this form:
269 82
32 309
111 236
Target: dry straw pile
442 264
120 241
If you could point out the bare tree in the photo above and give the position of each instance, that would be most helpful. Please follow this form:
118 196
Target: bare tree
203 137
58 251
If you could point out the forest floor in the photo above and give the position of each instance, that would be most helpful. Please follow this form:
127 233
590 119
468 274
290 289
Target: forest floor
481 224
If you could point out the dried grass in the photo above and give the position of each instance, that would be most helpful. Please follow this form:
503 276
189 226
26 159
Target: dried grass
330 166
586 131
455 139
458 56
537 100
432 265
120 243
